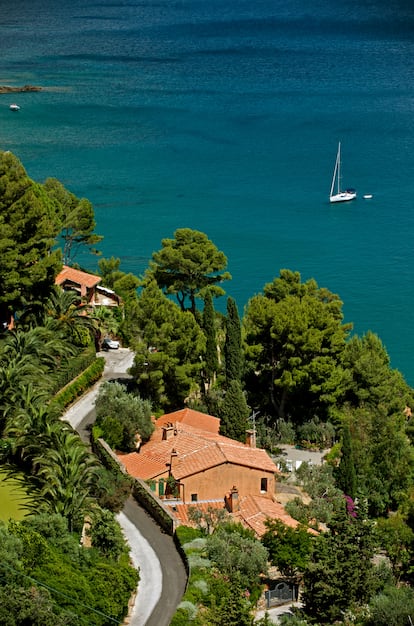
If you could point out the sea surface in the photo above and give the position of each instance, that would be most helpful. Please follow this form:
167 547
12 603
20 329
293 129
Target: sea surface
225 116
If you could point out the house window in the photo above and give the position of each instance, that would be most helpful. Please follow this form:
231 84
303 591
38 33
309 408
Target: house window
161 487
263 485
194 497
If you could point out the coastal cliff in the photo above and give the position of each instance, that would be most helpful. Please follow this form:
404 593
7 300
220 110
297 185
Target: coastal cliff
7 89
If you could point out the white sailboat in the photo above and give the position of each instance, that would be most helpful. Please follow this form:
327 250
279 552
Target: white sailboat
337 195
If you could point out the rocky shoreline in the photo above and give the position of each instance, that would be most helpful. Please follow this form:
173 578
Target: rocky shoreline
7 89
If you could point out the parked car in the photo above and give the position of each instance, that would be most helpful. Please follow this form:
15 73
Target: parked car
110 344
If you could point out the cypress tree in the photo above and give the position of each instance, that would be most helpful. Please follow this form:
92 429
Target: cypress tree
211 359
234 413
233 346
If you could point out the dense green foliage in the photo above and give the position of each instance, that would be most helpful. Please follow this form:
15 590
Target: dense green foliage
224 582
393 607
46 575
346 474
78 385
124 419
237 553
167 351
29 224
340 572
288 548
295 338
77 220
326 499
211 364
189 265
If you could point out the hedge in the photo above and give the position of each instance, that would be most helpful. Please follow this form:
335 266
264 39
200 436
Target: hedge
73 368
77 387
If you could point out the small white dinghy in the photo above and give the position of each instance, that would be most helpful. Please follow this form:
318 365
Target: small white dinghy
368 196
14 107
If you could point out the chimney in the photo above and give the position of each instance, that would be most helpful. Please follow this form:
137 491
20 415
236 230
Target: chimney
232 500
168 431
251 438
173 459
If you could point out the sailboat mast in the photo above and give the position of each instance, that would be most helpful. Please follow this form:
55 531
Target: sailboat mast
336 171
339 167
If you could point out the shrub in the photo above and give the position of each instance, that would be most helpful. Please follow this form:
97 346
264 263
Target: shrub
112 489
189 608
199 543
393 607
185 534
121 416
316 433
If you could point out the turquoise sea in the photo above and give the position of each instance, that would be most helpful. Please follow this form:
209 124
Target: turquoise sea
225 116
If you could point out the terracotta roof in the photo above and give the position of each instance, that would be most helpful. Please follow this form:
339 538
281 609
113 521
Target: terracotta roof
253 512
142 467
181 511
76 276
192 418
216 452
196 450
245 455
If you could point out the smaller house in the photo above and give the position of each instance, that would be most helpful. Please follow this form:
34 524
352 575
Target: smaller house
87 286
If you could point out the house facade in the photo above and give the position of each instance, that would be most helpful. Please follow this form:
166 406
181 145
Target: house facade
199 463
187 464
87 286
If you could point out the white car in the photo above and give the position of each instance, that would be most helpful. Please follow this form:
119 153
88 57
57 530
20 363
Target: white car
110 344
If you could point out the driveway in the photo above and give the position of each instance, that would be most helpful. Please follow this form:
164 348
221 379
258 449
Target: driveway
162 574
276 612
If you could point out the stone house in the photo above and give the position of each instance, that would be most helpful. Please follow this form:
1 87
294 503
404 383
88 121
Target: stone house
188 463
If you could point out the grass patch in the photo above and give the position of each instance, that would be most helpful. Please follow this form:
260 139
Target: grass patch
13 498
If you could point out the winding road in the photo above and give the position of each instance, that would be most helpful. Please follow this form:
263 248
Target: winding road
162 574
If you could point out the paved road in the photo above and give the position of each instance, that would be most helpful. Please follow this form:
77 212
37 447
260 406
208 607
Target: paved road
276 612
162 573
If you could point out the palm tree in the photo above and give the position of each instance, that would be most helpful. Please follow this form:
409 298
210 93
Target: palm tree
108 324
65 476
65 314
40 344
30 429
15 376
28 361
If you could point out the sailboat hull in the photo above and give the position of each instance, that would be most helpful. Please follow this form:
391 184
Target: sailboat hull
343 196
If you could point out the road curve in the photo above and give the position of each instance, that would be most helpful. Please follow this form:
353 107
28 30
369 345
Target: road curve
162 574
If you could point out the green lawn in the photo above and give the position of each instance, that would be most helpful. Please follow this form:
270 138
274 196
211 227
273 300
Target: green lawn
12 497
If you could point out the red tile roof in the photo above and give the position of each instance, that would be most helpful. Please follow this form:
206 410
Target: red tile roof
76 276
196 450
181 511
253 512
141 466
192 418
